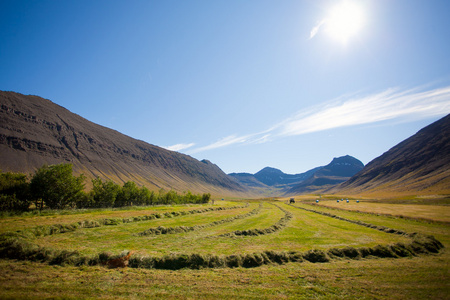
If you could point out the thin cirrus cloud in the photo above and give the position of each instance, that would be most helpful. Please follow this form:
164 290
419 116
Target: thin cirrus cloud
316 29
391 104
223 142
179 147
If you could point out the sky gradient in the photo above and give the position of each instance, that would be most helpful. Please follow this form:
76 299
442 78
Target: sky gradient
244 84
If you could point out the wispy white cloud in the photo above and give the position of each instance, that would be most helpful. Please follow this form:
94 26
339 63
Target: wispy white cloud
388 105
350 110
316 29
223 142
179 147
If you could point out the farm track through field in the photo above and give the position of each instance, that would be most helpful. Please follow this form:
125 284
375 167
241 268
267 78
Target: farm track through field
17 245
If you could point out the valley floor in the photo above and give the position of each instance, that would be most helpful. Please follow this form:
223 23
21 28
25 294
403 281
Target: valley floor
426 276
439 213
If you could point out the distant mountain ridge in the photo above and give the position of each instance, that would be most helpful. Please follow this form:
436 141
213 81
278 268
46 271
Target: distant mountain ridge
272 176
319 178
35 131
417 165
339 170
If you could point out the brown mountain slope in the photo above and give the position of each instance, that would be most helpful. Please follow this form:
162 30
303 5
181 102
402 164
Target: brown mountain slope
418 165
35 131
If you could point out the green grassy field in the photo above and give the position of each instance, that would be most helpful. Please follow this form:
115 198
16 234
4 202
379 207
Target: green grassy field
217 235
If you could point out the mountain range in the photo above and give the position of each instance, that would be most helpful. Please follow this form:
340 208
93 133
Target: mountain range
35 131
317 179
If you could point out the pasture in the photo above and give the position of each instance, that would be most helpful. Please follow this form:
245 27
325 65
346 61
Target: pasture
409 209
233 249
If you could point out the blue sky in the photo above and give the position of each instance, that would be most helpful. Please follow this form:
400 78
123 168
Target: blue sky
244 84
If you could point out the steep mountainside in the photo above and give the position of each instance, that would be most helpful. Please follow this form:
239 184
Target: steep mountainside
337 171
418 165
35 131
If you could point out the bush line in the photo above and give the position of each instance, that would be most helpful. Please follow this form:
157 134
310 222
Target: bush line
272 229
180 229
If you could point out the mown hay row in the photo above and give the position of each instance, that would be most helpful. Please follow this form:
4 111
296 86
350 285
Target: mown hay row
377 227
180 229
420 243
41 231
15 245
20 249
272 229
426 220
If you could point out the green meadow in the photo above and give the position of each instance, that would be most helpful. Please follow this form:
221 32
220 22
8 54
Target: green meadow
232 249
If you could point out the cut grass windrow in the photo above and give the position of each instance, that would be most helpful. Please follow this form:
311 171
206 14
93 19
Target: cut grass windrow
380 228
180 229
272 229
41 231
20 249
18 246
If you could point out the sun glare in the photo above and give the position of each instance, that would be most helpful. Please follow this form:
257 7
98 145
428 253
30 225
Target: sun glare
344 21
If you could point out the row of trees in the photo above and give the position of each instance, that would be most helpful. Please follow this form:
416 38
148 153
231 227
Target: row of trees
56 187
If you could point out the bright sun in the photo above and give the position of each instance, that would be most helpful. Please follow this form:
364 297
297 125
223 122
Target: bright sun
344 21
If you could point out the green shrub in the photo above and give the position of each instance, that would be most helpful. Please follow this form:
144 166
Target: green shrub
14 192
56 186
